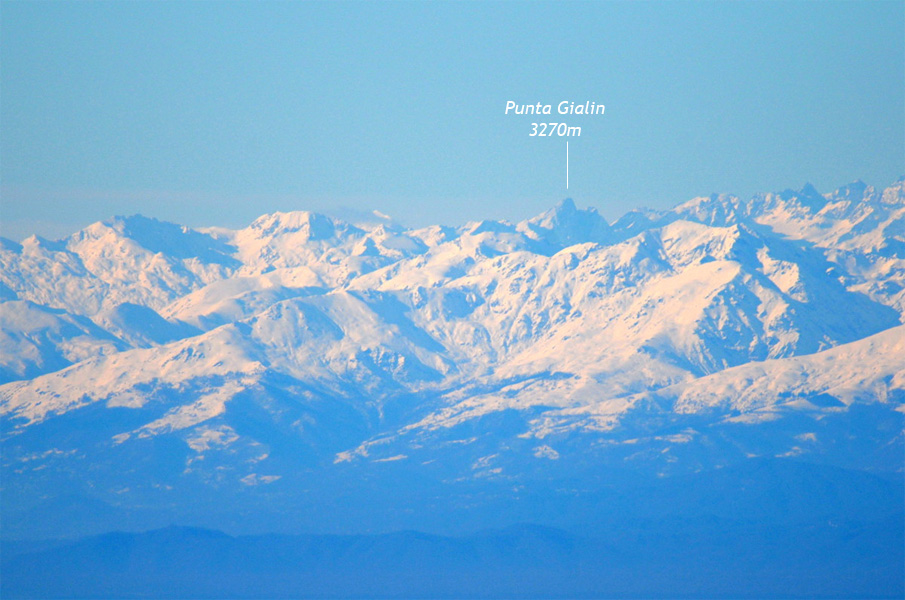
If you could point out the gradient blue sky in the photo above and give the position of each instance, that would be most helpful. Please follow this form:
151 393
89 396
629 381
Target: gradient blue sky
211 113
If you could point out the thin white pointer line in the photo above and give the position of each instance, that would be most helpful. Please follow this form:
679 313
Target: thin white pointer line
567 165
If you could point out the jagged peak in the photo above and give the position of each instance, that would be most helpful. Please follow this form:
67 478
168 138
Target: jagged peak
807 197
566 205
809 190
564 211
566 225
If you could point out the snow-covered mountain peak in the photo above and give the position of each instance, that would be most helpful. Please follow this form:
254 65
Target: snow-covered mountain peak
688 241
562 213
154 236
718 210
565 225
895 194
797 202
330 251
312 226
855 191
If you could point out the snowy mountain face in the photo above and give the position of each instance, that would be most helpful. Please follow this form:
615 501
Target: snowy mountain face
148 364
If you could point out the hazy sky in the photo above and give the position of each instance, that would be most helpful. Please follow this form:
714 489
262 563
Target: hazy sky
210 113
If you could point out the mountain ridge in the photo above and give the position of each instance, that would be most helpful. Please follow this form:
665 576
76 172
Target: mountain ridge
303 346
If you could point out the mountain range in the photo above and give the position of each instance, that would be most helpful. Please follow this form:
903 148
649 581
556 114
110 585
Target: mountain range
311 374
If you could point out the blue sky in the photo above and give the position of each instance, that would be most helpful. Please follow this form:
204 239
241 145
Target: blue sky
210 113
